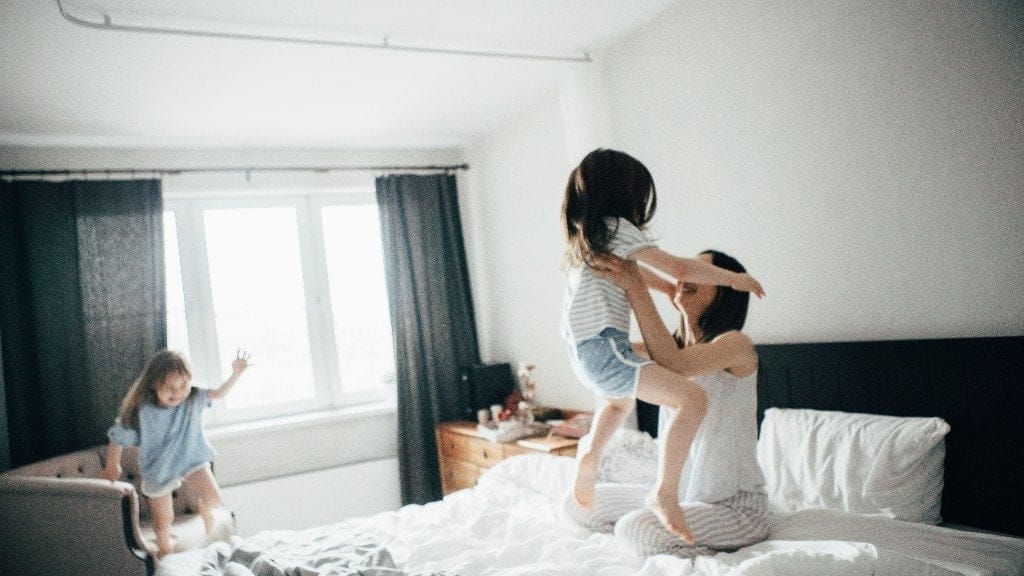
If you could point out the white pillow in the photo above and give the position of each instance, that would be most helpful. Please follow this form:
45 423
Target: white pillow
858 463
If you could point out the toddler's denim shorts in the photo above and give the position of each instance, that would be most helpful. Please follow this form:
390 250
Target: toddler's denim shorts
607 364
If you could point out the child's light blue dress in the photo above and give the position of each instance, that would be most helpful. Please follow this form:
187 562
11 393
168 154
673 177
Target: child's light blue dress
171 442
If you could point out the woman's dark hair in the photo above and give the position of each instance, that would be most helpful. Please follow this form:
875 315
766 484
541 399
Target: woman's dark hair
607 183
727 311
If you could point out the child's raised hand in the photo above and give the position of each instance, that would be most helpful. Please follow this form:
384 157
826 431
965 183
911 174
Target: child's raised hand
241 362
747 283
623 272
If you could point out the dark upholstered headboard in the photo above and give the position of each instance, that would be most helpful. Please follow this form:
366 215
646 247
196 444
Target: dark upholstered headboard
975 384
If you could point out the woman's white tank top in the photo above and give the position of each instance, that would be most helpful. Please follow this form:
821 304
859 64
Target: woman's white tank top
723 457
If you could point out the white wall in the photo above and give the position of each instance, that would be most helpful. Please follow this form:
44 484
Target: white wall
518 177
315 498
864 160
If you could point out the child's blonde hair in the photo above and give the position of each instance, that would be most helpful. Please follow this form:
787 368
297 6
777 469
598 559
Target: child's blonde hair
160 366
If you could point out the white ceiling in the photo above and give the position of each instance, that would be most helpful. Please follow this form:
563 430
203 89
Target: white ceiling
69 85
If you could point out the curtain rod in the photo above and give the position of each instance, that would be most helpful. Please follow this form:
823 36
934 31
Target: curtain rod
109 172
385 43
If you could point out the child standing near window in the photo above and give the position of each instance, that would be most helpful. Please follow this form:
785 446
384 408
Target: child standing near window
609 199
162 415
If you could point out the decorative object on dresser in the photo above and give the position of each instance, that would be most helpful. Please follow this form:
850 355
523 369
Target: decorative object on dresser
464 453
510 430
483 385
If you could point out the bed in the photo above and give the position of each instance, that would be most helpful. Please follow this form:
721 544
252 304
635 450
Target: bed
944 410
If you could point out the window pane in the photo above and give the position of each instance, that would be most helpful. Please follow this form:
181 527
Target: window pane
359 297
259 303
177 327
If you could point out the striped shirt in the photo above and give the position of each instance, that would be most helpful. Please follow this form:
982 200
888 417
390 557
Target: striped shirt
592 303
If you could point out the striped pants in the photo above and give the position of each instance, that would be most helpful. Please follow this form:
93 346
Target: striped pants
727 525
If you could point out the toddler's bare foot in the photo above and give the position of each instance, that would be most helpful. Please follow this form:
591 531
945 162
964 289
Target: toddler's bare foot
671 515
586 478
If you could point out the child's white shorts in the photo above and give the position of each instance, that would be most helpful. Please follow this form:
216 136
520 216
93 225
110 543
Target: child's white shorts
150 491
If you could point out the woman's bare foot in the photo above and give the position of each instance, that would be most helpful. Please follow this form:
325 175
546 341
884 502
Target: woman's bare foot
670 514
586 478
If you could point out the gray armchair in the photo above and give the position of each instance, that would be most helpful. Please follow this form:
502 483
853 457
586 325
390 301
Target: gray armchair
58 516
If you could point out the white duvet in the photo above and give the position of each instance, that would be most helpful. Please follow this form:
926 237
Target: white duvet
508 525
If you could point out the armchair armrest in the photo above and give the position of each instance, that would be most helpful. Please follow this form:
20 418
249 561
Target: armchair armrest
94 521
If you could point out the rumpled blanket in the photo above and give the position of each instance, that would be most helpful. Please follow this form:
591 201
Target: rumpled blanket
342 551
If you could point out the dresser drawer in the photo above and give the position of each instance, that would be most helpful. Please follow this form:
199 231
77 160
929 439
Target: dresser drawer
480 452
458 475
463 456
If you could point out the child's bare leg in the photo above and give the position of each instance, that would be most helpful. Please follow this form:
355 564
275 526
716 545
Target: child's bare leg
205 486
162 510
688 403
607 420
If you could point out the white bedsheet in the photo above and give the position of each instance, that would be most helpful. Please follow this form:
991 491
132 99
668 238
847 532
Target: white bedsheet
971 553
508 525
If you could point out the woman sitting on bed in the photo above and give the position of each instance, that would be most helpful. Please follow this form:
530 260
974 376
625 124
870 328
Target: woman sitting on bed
722 489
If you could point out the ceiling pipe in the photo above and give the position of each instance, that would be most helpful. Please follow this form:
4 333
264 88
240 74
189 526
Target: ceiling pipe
107 22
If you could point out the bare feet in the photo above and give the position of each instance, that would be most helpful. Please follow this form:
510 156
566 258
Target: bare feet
586 478
671 515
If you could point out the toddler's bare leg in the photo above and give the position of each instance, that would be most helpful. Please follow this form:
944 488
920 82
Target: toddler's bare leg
205 486
162 510
689 403
607 420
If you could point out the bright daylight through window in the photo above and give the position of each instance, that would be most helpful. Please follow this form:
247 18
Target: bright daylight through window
298 281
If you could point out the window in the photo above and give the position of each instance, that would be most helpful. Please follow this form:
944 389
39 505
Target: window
295 279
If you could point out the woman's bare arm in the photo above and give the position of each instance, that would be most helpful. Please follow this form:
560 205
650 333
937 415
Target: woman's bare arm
657 282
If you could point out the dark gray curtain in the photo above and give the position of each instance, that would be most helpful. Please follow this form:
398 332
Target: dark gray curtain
82 307
431 317
5 450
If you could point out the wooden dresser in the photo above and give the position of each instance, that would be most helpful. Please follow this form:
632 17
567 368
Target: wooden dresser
464 454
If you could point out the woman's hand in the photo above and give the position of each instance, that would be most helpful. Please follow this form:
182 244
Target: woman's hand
240 363
623 272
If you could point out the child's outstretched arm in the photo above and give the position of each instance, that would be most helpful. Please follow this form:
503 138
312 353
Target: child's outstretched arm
238 365
698 271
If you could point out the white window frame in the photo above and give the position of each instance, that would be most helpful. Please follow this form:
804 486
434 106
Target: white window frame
188 210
